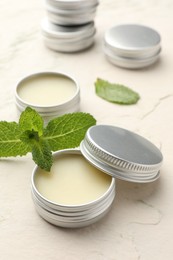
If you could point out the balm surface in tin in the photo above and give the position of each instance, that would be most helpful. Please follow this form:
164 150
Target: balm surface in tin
49 93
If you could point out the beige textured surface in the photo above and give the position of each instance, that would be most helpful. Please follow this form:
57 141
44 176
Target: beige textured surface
140 224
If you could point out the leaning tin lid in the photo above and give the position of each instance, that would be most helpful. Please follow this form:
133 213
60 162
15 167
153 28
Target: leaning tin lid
122 153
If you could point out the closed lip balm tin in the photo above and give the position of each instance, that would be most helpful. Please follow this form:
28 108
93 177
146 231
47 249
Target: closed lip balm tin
132 46
117 152
51 94
67 38
71 13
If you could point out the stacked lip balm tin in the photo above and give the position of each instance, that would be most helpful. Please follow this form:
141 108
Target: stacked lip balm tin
69 25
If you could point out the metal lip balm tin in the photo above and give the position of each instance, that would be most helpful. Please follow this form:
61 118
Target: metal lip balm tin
119 153
132 46
70 17
70 105
71 216
122 153
67 39
70 13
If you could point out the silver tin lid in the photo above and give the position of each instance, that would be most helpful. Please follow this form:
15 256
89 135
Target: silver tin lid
51 30
132 42
122 153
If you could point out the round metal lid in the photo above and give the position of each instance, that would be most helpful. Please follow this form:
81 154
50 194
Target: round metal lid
122 153
77 11
132 40
67 32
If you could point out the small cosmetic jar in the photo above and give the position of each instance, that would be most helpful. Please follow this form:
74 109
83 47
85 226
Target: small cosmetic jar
71 13
74 193
51 94
132 46
68 38
80 188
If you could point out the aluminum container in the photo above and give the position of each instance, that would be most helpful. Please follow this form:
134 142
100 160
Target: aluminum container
132 46
69 105
72 216
115 151
70 13
71 18
67 39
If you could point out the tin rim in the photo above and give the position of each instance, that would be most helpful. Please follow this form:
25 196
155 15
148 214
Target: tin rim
137 54
73 219
67 48
76 224
80 20
76 213
76 11
131 63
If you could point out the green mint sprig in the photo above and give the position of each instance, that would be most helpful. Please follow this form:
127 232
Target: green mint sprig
115 93
30 135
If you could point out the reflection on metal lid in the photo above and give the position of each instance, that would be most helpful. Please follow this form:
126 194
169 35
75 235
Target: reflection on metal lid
122 153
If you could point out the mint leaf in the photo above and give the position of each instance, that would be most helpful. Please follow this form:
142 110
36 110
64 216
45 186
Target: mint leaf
10 143
30 136
42 154
115 93
68 130
30 120
31 126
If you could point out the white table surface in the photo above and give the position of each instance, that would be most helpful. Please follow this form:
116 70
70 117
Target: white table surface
140 223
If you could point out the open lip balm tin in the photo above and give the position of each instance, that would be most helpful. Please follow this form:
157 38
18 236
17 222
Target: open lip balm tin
82 201
132 46
51 94
116 153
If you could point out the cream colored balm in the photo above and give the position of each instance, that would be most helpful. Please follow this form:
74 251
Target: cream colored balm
72 181
46 89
